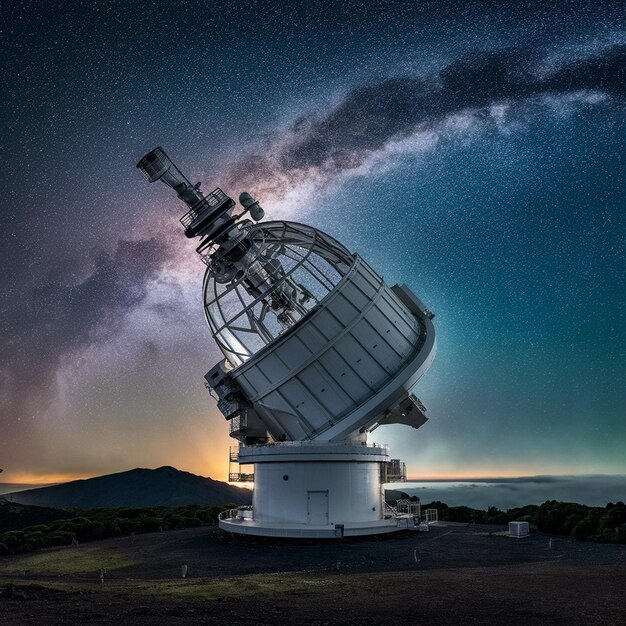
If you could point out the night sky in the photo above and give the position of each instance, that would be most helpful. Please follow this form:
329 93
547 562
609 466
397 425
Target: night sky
474 151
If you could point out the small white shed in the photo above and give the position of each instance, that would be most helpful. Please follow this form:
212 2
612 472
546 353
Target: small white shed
519 529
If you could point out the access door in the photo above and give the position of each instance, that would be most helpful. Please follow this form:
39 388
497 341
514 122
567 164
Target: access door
317 508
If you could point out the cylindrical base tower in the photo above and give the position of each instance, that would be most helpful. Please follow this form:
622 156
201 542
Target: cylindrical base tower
320 489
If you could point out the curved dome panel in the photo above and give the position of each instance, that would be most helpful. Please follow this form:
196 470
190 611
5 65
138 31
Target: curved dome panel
352 362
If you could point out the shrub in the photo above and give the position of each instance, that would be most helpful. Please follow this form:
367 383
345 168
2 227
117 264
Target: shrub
585 528
150 524
34 541
97 530
129 513
174 521
56 525
38 528
84 529
100 523
14 539
60 538
193 522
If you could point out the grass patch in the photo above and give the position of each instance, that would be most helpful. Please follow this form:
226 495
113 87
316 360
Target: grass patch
229 588
197 589
86 560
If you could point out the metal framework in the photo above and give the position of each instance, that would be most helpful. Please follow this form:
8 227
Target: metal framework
208 202
306 262
394 471
408 507
236 475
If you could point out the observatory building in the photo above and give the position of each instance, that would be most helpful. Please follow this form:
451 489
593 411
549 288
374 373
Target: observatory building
318 352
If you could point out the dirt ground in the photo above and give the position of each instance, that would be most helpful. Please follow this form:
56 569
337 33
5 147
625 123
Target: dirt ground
451 575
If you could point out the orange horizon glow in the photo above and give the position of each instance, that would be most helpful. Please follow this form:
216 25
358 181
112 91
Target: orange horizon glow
216 471
47 479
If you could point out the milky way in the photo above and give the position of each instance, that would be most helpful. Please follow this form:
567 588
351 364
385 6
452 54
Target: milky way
471 150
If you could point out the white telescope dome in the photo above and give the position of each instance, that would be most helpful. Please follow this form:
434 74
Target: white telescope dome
319 352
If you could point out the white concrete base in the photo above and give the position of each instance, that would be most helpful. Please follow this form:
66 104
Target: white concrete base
302 531
314 489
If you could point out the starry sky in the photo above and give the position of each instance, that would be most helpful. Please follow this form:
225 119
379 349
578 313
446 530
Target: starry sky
473 150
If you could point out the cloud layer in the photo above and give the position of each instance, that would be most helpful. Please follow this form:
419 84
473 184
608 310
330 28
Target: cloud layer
318 150
509 493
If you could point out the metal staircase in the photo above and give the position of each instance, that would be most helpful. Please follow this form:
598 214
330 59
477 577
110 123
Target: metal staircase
235 475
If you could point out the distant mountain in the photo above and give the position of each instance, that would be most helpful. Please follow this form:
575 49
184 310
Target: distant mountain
165 486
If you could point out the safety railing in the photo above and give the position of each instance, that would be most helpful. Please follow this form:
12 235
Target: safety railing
206 205
240 477
390 511
299 444
236 513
